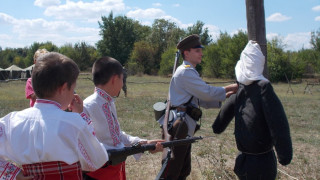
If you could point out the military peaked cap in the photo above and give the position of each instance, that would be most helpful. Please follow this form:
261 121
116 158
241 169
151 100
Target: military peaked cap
192 41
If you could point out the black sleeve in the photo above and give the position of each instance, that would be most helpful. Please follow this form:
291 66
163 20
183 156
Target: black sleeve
225 115
278 124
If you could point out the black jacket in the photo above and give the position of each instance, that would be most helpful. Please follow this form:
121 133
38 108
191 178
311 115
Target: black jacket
260 121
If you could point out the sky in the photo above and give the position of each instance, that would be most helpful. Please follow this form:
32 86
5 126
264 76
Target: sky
23 22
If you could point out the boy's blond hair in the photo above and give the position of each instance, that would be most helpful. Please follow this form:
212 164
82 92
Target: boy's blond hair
38 53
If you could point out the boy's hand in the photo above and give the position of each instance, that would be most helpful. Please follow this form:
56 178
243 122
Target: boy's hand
76 104
159 146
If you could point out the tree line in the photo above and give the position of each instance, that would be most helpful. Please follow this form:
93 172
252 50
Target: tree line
151 50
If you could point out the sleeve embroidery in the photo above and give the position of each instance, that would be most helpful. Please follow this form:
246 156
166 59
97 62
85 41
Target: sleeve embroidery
8 171
88 120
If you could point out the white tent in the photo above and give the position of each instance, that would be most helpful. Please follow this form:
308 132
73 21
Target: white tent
4 74
26 72
15 72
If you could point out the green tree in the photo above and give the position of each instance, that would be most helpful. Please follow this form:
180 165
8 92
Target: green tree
278 61
198 28
142 59
164 34
118 37
82 53
167 61
212 61
315 40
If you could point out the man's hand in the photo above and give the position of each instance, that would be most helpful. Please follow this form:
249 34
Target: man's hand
231 89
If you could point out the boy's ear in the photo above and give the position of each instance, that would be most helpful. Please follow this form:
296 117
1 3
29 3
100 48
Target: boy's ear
63 87
113 79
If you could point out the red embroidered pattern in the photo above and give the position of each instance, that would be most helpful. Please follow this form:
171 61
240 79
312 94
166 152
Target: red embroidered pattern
9 171
88 120
85 155
113 123
45 101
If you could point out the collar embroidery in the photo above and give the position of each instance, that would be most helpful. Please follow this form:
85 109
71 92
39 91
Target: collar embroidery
45 101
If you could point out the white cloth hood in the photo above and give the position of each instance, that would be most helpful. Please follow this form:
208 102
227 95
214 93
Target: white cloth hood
251 64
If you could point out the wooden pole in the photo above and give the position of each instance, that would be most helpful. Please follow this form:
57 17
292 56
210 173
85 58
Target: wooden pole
257 27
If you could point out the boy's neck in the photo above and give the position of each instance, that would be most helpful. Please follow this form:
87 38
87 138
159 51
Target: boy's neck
106 88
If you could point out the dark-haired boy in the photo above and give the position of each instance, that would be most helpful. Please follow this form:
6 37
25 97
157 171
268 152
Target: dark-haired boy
100 106
46 141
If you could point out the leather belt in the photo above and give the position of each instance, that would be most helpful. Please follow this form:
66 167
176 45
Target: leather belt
179 109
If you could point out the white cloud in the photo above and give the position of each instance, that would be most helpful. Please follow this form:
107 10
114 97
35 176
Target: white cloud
27 31
317 18
157 4
293 41
147 15
46 3
176 5
316 8
297 41
214 31
6 19
84 10
277 17
151 13
271 36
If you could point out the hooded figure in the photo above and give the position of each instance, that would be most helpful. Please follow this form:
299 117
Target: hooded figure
261 124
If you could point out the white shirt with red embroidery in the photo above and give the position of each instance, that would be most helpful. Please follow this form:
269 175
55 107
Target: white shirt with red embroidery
101 109
8 171
46 133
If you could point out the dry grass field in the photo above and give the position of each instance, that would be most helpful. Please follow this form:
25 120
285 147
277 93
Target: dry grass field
212 157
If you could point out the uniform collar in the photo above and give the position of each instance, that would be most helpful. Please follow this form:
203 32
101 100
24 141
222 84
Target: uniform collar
187 63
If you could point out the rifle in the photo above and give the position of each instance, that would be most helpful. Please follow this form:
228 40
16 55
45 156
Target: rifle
117 156
167 136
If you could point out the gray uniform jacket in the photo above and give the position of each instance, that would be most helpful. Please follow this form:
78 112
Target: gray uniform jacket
186 83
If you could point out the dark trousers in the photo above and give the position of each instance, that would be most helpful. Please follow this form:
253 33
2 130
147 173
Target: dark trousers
256 167
179 166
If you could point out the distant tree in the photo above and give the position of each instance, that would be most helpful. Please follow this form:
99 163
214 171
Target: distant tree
315 40
221 57
7 57
212 61
198 28
164 34
167 61
82 53
35 46
142 59
278 61
142 31
118 37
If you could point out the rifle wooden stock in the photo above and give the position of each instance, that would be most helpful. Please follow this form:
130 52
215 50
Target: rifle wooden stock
167 136
117 156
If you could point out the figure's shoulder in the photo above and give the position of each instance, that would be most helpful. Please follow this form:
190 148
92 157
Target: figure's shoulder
74 119
90 99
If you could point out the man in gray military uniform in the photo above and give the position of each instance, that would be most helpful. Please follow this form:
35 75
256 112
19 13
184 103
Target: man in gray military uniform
187 93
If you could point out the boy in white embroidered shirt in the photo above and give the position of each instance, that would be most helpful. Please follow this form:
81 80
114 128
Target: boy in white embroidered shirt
108 79
46 141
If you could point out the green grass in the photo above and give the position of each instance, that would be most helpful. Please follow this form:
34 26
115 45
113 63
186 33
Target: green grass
212 158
